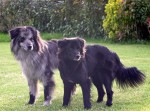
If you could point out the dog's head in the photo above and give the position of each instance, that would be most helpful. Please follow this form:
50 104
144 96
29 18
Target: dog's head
25 37
71 48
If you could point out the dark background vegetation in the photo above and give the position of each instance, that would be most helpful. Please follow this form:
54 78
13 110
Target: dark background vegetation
115 19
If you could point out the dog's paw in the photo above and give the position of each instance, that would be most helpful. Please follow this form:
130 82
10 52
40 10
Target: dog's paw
109 104
87 107
29 103
99 100
46 103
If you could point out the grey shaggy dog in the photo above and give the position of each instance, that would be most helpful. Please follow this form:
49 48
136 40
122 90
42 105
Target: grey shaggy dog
37 57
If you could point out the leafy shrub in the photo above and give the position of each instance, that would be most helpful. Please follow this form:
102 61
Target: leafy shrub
44 15
14 13
126 19
72 17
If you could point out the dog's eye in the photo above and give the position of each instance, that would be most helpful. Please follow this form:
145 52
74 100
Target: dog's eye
22 39
31 39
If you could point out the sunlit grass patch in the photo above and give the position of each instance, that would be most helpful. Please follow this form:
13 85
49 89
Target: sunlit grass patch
14 92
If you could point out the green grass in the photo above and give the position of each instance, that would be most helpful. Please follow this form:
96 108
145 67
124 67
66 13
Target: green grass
14 89
4 37
48 36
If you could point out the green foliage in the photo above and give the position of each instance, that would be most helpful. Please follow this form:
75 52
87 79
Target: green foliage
87 19
111 22
72 17
126 19
13 13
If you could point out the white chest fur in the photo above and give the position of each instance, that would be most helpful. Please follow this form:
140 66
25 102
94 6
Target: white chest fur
33 65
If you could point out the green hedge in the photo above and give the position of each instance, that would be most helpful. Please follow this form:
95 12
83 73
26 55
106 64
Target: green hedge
70 17
126 19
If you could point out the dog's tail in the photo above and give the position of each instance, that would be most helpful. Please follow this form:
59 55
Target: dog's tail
128 77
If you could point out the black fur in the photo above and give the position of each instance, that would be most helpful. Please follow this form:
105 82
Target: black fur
72 71
31 99
97 62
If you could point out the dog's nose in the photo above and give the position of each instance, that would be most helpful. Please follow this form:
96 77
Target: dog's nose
30 47
78 56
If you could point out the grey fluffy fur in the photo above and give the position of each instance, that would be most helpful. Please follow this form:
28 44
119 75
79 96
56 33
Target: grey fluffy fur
37 57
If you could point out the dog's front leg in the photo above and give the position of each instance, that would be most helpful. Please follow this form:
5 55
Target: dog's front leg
33 88
86 93
68 87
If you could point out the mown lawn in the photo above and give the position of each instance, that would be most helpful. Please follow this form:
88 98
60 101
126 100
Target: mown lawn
14 89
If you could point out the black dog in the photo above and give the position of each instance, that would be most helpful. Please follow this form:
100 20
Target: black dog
73 69
78 62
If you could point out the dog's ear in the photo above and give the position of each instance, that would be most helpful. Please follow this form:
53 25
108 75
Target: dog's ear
14 32
62 43
82 42
33 30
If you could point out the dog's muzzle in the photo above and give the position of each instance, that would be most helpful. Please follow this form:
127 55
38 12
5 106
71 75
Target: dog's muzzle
77 57
30 47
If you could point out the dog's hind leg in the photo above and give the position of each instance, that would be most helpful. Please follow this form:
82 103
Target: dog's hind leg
33 87
108 86
68 87
49 86
98 84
